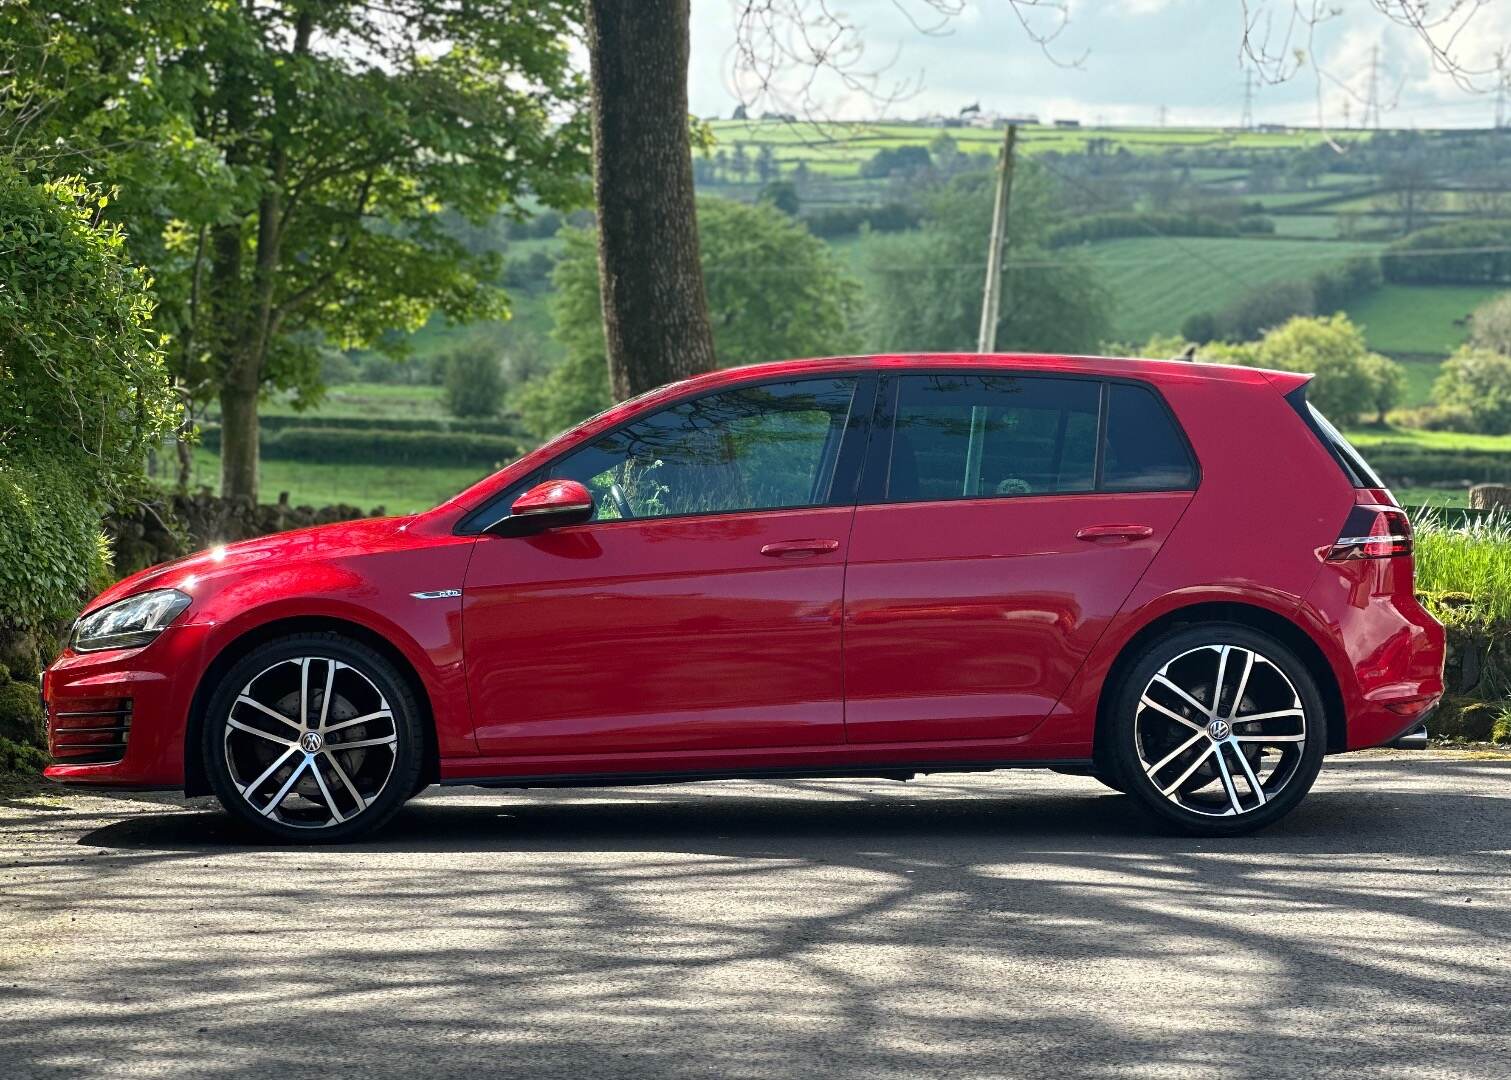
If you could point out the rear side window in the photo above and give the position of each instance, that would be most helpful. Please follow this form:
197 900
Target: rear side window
962 436
1360 475
1143 450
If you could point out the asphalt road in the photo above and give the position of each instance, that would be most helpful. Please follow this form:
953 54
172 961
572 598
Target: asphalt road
1014 924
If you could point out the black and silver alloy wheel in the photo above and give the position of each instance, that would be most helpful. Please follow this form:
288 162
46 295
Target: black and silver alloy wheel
314 738
1219 729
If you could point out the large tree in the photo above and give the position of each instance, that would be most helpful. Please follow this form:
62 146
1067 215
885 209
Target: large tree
774 290
655 312
285 164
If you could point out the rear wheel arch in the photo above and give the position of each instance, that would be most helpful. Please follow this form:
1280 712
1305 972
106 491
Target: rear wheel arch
1287 632
195 780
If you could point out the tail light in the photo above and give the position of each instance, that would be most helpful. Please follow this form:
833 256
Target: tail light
1373 532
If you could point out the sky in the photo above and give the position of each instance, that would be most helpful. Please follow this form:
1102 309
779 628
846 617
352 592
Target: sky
1127 62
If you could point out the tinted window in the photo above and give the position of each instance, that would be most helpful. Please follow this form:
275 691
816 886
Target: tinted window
752 448
1144 452
980 436
1358 470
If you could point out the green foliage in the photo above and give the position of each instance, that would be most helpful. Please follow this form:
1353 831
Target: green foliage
83 391
1326 292
1490 325
83 378
1478 381
897 161
1463 253
20 758
783 195
774 291
474 383
21 712
927 285
1387 381
285 165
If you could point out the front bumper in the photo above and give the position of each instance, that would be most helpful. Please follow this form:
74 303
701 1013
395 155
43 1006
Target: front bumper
117 718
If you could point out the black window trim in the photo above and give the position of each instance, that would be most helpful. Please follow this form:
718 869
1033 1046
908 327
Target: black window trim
878 463
853 441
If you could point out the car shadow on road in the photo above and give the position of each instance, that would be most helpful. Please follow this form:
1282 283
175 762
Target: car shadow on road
803 816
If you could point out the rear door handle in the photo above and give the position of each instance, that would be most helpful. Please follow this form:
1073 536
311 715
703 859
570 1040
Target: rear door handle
799 549
1115 532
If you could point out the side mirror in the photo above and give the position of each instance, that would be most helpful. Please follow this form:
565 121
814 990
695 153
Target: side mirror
547 505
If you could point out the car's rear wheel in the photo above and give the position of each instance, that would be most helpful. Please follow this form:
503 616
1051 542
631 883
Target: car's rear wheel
1216 729
314 738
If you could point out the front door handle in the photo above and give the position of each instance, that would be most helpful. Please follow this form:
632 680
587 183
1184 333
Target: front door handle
799 549
1122 533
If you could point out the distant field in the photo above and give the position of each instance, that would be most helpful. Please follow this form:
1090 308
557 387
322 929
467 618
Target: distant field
398 489
1418 318
1158 282
839 148
1430 440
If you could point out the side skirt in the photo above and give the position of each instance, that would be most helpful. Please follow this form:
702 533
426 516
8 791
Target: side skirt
887 771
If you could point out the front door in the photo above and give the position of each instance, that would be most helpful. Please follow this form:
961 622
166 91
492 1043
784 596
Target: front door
700 608
1009 518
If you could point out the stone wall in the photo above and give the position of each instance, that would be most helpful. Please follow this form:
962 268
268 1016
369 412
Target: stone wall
182 523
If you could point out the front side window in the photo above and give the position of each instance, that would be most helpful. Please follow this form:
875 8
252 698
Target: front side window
979 436
764 447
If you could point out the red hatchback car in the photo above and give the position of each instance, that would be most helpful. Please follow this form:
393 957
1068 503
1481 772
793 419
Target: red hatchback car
1177 578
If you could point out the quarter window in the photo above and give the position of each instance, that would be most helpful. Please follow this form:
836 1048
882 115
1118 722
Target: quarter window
1144 452
762 447
978 436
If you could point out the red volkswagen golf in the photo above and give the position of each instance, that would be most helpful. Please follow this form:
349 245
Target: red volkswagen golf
1177 578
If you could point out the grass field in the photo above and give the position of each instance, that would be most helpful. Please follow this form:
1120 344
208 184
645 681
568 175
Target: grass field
398 489
1429 440
1418 318
357 400
1157 282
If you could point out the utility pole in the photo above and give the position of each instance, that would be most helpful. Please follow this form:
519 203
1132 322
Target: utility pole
991 302
1348 114
1247 121
1164 115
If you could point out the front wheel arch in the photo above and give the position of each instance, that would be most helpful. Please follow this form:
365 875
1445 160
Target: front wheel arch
1257 618
195 780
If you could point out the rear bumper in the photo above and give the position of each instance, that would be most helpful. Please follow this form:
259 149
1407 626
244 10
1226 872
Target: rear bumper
1386 650
117 718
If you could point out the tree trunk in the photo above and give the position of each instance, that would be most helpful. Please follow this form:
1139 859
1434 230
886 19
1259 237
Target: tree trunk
239 439
655 312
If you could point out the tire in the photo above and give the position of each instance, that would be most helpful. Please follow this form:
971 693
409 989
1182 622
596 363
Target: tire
293 781
1216 764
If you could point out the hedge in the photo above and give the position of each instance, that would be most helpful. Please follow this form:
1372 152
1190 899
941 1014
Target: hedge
281 421
1109 226
1464 253
359 446
1399 462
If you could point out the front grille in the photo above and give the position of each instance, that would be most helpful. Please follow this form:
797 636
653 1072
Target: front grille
89 732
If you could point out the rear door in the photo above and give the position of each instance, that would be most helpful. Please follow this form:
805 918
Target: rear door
1005 518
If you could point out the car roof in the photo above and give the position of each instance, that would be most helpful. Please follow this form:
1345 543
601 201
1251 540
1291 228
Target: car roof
1050 363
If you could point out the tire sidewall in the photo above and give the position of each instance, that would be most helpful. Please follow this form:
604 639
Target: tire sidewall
408 749
1122 751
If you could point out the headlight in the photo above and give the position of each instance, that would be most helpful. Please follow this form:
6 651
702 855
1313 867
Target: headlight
128 623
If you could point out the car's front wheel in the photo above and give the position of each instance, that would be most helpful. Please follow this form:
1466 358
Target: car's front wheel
313 737
1217 729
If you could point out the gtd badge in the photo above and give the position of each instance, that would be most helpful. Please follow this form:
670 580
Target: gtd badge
311 741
